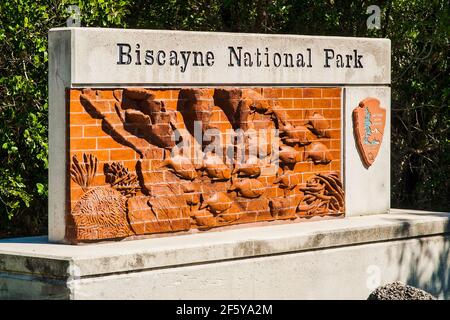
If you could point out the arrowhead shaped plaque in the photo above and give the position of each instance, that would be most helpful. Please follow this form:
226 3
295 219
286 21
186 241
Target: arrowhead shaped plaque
369 119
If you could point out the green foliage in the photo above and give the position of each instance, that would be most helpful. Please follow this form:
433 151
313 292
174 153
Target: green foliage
24 25
419 31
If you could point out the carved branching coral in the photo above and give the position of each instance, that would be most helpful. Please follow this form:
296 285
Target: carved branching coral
323 194
121 179
84 172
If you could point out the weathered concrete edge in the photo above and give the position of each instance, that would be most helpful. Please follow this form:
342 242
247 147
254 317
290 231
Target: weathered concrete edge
61 261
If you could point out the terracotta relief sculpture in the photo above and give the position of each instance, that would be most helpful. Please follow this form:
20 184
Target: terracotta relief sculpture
369 120
145 161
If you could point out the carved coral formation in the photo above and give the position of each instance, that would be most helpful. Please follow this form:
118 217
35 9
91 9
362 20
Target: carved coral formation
323 194
99 214
121 179
83 172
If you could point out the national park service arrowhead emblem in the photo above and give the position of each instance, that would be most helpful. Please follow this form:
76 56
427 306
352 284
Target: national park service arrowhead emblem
369 120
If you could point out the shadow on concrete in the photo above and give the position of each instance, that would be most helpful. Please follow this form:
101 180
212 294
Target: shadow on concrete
424 262
28 240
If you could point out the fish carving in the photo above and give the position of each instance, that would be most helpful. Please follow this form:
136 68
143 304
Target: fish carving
289 155
288 180
181 166
318 153
217 203
247 188
295 135
319 125
214 167
251 168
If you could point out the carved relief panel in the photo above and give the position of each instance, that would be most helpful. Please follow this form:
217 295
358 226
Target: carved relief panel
147 161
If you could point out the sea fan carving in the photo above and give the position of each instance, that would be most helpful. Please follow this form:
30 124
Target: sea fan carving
323 195
121 179
84 172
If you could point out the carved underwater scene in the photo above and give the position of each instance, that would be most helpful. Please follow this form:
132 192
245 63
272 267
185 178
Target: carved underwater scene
147 161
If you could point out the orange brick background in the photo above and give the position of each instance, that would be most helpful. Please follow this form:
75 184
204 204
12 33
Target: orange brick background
86 135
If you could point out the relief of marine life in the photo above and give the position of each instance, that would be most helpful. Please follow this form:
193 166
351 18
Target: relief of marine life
256 102
204 220
258 143
323 194
168 192
217 203
247 188
181 166
318 153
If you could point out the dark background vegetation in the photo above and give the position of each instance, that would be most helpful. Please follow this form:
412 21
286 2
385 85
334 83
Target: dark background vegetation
419 30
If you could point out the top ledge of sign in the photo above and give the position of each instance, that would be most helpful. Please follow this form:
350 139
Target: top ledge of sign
108 57
246 34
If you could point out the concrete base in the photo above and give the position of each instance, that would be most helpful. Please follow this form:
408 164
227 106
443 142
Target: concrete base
333 259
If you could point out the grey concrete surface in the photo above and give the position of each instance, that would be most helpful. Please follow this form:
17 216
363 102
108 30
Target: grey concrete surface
343 258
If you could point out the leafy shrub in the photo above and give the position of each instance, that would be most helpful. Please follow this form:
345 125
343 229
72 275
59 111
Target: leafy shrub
24 25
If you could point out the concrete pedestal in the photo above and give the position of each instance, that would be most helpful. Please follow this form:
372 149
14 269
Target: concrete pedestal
333 259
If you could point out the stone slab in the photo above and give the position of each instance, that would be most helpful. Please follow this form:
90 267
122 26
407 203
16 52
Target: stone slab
367 190
50 267
349 272
100 55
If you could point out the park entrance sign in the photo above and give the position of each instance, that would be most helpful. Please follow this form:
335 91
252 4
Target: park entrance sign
249 166
163 132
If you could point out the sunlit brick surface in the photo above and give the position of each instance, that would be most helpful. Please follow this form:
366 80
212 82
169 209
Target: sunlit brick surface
162 201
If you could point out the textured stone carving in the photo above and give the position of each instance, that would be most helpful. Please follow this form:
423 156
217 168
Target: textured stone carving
101 211
159 177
